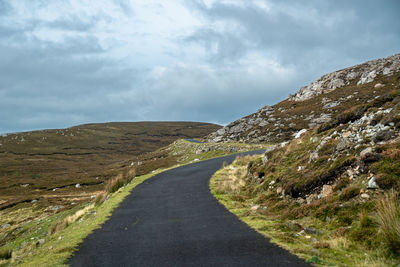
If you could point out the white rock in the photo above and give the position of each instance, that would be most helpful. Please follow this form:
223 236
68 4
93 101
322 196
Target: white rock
283 144
279 190
366 151
365 196
299 133
372 184
255 207
313 157
77 186
378 85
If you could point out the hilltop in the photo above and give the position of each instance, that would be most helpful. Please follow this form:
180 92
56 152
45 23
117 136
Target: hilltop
327 188
45 166
316 104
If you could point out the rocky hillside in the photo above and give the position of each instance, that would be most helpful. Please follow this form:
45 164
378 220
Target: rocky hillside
328 189
321 102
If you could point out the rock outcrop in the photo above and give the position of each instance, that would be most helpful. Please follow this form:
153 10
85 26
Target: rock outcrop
359 74
317 104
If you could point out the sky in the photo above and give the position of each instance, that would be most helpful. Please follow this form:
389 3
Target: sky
64 63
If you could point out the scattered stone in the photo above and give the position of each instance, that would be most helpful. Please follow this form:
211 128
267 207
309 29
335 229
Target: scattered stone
34 201
343 143
313 157
56 208
283 144
24 185
264 159
346 134
310 230
372 184
77 186
331 105
366 151
367 77
378 85
40 241
326 190
255 207
301 168
365 196
300 200
279 190
5 226
299 133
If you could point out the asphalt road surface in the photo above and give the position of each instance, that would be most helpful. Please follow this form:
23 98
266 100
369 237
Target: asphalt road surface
173 220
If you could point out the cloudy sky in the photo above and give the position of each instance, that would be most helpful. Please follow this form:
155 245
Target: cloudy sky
64 63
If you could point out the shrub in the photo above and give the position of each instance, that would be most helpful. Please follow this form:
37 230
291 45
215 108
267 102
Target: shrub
5 253
349 193
100 198
365 220
58 226
388 207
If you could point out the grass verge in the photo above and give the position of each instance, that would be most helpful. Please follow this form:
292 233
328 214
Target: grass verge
51 241
319 242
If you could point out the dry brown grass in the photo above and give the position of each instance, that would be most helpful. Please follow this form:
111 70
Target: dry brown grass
88 155
388 207
61 225
234 180
101 197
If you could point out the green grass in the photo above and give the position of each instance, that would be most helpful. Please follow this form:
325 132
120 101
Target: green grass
60 245
349 231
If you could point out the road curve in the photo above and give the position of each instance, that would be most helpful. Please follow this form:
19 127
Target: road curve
173 220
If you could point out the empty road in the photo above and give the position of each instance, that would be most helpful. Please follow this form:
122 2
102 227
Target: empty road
173 220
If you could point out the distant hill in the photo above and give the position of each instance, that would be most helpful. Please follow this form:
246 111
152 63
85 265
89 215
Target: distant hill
36 163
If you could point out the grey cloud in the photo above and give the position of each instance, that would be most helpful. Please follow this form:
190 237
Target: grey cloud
48 84
356 30
72 23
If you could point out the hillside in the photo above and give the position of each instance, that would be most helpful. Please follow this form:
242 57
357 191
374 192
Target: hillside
316 104
43 218
45 166
327 189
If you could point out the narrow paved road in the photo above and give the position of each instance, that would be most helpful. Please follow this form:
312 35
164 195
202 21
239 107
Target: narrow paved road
173 220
